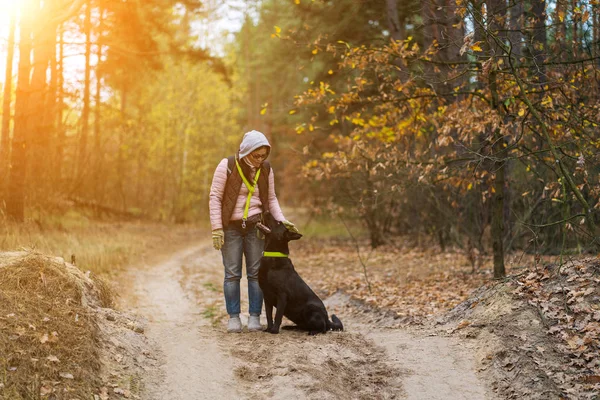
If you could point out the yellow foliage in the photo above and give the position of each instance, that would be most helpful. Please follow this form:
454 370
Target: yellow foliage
476 47
358 121
277 32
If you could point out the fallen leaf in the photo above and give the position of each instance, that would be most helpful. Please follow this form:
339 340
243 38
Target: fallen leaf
104 393
463 324
45 390
52 358
590 379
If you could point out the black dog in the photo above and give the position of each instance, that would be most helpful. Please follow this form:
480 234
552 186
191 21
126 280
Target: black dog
283 288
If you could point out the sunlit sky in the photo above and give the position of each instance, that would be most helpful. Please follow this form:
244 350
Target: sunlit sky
211 34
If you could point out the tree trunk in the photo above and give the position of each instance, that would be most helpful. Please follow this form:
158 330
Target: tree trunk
60 130
85 114
98 154
397 31
575 30
561 32
497 206
515 23
496 24
596 44
43 40
498 221
15 199
6 114
46 129
538 42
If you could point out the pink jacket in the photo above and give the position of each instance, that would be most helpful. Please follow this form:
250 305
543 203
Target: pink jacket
216 197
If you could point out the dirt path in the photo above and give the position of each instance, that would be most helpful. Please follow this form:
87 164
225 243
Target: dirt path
193 365
182 300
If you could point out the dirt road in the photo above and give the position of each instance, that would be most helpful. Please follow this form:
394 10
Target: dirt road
182 300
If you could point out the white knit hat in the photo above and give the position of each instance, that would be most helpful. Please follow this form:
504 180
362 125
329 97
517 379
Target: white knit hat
253 140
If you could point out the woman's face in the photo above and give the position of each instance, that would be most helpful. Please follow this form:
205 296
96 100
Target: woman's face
258 156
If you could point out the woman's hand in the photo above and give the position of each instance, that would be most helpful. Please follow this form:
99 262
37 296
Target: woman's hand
218 237
289 226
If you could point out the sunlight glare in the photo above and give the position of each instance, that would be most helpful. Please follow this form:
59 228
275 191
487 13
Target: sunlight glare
7 7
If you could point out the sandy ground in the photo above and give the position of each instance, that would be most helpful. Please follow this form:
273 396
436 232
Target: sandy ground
181 298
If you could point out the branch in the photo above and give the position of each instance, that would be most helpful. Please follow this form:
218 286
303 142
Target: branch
357 252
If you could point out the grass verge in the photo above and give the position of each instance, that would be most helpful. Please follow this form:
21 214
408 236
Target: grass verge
101 247
49 337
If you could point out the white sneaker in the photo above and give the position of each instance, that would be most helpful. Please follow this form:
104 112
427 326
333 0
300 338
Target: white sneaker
254 323
234 325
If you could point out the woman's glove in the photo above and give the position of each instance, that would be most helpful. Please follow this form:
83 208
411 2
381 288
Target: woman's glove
290 227
218 237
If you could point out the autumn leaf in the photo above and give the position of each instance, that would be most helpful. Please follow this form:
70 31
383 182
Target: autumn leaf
263 110
463 324
277 32
585 16
593 379
45 390
476 47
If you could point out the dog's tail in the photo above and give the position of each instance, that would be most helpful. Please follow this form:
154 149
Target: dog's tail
335 324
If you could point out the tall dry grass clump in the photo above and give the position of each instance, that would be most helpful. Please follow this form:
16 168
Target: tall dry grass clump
48 337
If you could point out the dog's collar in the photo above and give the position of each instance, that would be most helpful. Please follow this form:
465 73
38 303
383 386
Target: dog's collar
275 254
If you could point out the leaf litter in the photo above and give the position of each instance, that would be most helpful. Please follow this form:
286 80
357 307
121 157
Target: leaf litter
57 335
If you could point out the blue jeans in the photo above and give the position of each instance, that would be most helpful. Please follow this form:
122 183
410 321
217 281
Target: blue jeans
238 243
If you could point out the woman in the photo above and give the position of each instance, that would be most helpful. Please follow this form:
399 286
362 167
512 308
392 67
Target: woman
242 189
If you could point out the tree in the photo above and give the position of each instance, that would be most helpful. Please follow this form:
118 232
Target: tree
6 105
458 116
15 204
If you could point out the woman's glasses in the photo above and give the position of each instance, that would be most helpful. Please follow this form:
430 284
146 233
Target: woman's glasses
259 156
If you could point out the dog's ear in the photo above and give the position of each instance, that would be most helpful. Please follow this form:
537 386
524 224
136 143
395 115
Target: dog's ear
263 228
293 235
269 220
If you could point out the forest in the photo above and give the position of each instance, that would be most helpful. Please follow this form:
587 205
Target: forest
435 128
470 124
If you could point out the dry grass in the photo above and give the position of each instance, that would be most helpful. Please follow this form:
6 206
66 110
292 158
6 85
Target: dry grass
101 247
47 333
